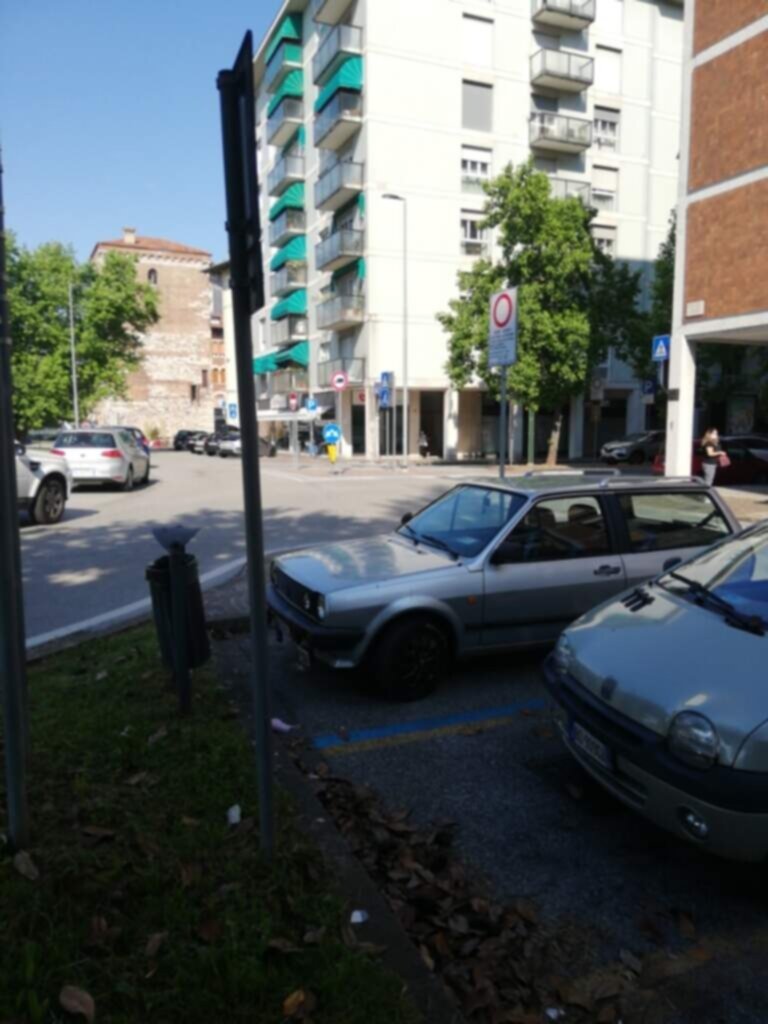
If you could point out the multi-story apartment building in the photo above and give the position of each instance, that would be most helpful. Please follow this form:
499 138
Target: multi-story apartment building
177 384
721 266
378 121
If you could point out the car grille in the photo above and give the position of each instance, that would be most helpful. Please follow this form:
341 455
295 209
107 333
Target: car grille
295 593
639 598
611 724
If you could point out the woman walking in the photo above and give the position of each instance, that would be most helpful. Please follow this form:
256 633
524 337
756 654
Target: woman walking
711 455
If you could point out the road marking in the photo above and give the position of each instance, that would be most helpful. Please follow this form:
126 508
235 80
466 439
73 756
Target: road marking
398 733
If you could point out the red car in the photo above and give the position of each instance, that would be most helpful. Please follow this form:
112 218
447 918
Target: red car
749 460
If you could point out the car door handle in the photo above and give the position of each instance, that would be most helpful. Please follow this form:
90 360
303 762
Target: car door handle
607 570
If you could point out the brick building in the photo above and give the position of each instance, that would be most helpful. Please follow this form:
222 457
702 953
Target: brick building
721 273
181 377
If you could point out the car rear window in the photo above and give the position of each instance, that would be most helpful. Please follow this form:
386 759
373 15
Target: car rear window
80 439
661 522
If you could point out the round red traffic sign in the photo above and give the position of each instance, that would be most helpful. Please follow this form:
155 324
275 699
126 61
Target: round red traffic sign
503 309
339 380
293 401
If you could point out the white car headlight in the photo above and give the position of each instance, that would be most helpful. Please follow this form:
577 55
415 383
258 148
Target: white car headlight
563 655
693 739
320 607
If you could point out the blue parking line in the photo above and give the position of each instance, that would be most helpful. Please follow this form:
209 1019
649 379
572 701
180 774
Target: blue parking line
333 739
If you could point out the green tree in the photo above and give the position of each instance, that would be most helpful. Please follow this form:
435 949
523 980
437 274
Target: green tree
572 300
112 309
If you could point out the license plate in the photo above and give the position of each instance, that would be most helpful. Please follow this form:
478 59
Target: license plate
591 746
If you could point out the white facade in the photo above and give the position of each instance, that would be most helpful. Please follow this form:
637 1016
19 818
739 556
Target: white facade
449 91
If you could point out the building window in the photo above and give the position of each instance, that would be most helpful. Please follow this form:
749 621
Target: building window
607 70
605 239
152 276
474 238
475 168
217 332
223 378
607 128
193 392
477 106
605 186
477 41
204 378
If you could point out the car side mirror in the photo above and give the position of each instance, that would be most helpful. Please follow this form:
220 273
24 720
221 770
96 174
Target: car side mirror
407 517
671 563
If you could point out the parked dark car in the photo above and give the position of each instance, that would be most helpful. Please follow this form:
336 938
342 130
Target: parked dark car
196 440
636 449
749 460
182 438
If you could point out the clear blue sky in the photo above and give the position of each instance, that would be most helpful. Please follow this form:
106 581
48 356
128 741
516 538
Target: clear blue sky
109 116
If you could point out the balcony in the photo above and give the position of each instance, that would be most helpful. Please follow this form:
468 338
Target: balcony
286 58
565 72
288 330
290 277
339 120
558 133
568 15
289 224
284 120
339 248
354 369
344 41
329 12
338 185
287 170
570 188
474 247
341 312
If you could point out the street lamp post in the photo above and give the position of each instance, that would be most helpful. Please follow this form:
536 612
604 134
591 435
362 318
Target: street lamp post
402 199
75 402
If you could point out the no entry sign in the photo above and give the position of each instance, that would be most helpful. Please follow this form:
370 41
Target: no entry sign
502 334
339 380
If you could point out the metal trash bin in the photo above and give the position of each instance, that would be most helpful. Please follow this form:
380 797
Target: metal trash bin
158 575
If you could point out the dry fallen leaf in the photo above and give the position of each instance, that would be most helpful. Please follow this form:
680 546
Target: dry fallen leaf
99 931
77 1000
97 832
190 822
631 961
134 780
26 866
101 676
299 1003
161 733
425 956
154 943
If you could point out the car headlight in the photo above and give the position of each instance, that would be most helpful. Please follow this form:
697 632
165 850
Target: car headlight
563 656
320 606
693 739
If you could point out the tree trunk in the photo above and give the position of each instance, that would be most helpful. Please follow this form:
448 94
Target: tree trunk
554 438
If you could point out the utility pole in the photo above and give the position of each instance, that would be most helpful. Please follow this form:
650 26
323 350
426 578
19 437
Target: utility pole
75 403
13 679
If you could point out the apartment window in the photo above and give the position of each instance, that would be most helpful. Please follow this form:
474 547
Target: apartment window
474 238
193 392
223 378
475 168
477 41
152 276
607 70
605 186
204 378
477 106
545 165
606 134
605 239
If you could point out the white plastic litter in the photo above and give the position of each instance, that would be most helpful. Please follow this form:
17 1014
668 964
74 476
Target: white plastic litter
278 725
234 814
358 917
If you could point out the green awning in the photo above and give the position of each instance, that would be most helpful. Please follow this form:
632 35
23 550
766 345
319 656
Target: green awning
292 85
348 76
361 203
298 354
294 304
296 249
298 138
358 265
292 198
289 28
265 364
291 53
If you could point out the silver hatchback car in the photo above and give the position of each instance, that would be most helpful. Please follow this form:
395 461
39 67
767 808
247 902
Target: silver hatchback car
490 565
104 456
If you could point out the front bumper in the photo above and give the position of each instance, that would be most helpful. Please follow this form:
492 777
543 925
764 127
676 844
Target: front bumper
645 776
613 457
336 647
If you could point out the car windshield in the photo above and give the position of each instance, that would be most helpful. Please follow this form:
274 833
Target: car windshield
81 439
734 570
465 520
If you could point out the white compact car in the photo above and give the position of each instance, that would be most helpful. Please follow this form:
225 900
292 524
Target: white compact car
43 484
111 456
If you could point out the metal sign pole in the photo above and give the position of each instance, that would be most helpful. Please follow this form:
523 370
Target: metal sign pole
247 281
75 402
13 681
503 425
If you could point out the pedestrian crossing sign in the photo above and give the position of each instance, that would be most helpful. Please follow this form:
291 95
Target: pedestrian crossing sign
660 348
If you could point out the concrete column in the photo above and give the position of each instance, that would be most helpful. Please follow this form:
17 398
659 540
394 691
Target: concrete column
516 427
450 424
682 383
635 411
576 428
414 420
371 424
344 419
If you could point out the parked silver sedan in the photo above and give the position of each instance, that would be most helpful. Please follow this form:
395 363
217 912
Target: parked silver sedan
486 567
103 457
43 484
662 697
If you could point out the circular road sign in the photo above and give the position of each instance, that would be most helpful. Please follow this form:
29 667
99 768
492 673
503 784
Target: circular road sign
331 433
293 401
503 309
339 380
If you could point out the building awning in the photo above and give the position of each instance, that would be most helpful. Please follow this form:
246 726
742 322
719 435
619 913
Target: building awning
265 364
293 197
297 354
294 304
289 28
292 85
298 138
356 265
296 249
348 76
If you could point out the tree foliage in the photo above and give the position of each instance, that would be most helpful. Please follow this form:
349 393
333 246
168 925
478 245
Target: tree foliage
573 302
112 310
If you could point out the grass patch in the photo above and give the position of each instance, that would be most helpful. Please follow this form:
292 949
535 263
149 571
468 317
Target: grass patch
147 899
